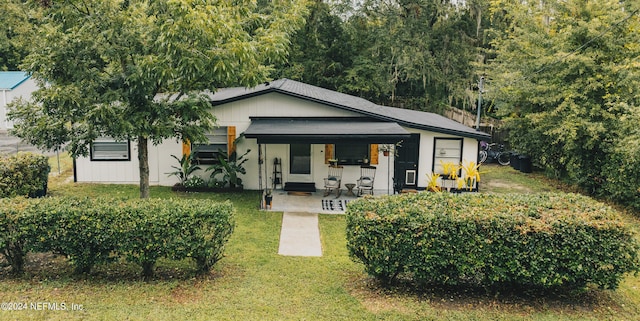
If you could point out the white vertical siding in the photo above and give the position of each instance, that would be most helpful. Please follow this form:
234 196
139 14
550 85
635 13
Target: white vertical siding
238 114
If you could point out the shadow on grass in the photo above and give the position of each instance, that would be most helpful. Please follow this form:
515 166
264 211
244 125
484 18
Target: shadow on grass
50 266
509 299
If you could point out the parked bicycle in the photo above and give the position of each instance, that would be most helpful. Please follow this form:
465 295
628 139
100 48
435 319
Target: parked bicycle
494 153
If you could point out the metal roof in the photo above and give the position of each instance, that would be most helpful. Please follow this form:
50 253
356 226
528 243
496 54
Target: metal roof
9 80
405 117
324 130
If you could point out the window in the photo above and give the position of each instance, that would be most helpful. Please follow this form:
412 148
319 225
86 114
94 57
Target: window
207 153
300 158
109 150
446 150
352 154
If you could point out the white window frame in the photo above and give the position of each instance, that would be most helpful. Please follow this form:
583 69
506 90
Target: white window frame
446 149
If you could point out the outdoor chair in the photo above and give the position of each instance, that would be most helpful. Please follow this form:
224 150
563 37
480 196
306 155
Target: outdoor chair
365 182
333 180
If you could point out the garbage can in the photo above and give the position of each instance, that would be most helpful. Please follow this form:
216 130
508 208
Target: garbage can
514 160
525 164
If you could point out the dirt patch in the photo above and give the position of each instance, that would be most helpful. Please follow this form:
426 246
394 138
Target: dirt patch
507 185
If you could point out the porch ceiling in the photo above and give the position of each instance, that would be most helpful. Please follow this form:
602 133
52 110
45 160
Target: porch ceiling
324 131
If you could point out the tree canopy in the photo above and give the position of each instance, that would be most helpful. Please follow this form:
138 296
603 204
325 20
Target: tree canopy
135 70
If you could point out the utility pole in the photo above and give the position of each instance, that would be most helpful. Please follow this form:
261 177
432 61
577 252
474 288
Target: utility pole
480 89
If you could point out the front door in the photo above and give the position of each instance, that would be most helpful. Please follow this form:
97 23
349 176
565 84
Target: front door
406 164
300 163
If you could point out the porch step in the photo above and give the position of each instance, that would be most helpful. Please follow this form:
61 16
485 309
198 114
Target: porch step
299 187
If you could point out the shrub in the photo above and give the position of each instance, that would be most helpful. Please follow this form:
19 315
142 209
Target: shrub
100 230
622 177
544 241
24 174
12 235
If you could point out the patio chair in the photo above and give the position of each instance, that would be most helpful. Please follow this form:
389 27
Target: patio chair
333 180
365 182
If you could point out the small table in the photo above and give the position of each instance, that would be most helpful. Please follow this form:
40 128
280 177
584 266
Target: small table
350 187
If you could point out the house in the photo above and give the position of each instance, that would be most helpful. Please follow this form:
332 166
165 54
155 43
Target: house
13 85
294 130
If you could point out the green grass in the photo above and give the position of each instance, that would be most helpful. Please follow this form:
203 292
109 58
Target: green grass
254 283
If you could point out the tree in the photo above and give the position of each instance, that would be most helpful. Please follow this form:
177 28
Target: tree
136 70
15 23
566 74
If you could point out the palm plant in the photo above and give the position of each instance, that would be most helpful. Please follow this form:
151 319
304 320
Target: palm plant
186 168
229 166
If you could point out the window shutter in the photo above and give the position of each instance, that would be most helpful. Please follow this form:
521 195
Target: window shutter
186 147
231 137
374 154
328 153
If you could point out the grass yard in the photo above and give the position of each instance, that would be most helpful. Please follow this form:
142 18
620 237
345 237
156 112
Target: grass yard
254 283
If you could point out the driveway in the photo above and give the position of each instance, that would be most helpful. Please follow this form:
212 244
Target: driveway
11 145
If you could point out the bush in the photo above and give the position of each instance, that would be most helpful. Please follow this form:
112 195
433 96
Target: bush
544 241
24 174
622 177
12 235
101 230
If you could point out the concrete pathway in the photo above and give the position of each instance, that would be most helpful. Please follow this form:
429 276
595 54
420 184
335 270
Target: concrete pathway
300 235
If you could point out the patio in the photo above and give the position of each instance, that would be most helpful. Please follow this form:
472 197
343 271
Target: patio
316 202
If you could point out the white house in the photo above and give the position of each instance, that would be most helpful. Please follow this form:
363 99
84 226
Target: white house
13 85
303 127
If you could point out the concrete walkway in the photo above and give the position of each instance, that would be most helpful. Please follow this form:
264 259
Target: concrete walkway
300 235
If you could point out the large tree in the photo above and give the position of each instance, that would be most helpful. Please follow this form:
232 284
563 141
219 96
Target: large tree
135 69
567 75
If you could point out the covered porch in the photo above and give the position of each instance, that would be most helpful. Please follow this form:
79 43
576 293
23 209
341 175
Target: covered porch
297 154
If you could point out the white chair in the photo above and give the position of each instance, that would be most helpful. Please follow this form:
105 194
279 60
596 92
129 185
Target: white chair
333 180
367 177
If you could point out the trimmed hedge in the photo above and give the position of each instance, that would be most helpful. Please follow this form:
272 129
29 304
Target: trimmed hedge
97 231
542 240
24 174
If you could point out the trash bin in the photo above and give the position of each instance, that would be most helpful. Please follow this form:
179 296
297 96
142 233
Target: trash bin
525 164
514 160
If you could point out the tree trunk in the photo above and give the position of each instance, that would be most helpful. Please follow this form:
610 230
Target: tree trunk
143 159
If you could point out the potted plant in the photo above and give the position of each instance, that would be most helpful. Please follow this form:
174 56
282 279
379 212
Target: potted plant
268 198
434 185
390 148
450 170
472 175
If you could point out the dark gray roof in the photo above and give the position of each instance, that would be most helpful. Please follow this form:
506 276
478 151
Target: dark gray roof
409 118
324 130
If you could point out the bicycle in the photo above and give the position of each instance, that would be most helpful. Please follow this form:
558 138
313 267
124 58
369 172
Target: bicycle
488 153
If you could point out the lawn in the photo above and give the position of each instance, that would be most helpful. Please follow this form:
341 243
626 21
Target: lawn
254 283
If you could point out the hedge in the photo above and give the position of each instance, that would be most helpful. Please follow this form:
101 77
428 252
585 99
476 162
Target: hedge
100 230
24 174
541 240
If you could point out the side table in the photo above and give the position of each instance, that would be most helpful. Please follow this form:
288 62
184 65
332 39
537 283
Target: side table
350 187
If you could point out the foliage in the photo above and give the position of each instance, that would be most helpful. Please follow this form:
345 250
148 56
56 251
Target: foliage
136 70
621 171
230 166
95 231
566 75
450 169
471 174
24 174
434 184
541 241
12 236
186 168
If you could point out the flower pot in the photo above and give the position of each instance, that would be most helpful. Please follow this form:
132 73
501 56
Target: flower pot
385 153
268 199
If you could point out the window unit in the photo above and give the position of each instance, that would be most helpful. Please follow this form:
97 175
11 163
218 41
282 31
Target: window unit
110 150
